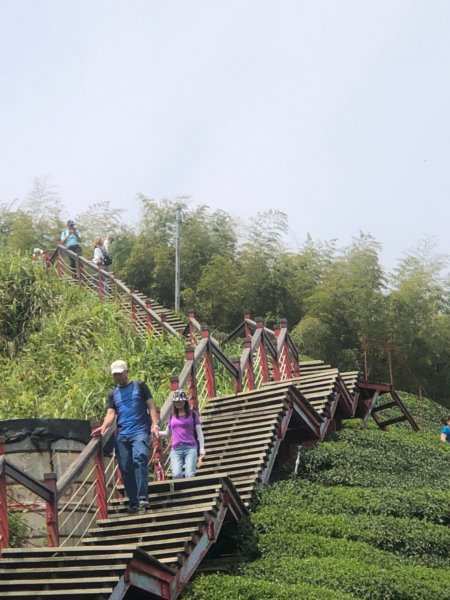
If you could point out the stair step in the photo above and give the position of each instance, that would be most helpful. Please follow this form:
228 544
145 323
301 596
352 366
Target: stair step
384 424
44 571
67 594
385 406
56 582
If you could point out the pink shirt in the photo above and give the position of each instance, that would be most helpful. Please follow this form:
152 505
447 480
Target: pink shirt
182 429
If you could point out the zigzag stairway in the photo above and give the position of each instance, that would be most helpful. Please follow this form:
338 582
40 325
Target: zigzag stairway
278 402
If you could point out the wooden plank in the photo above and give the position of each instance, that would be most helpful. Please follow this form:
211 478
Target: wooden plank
393 421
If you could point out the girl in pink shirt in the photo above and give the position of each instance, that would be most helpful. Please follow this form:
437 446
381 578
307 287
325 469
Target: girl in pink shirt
187 441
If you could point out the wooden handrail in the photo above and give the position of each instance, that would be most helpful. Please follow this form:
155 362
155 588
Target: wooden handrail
120 285
78 465
29 482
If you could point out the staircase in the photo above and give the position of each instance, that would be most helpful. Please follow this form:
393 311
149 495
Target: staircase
155 553
372 405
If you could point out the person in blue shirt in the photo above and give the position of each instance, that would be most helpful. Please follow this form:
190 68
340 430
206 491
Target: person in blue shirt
445 430
70 238
130 404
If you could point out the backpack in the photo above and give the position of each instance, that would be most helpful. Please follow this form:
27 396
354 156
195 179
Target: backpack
107 260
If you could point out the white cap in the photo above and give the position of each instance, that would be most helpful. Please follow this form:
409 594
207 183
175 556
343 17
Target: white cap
119 366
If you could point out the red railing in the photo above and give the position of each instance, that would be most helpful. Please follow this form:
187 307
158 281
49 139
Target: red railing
90 497
109 288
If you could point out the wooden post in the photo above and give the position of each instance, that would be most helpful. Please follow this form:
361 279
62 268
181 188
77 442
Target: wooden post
174 383
238 382
285 349
59 265
247 330
209 365
133 311
4 523
262 351
192 332
78 268
148 320
52 511
100 483
101 284
249 365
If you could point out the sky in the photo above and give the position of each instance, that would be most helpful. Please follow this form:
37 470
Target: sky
333 111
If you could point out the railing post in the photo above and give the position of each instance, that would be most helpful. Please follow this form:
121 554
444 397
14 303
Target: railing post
52 511
262 350
148 320
59 266
101 284
78 268
247 330
4 523
133 311
209 366
174 383
189 356
100 482
285 350
192 338
238 381
249 365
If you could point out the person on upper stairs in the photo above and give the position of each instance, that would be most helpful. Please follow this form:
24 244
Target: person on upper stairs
101 257
70 238
130 403
445 430
186 438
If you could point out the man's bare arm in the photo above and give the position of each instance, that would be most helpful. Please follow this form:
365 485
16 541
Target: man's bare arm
154 413
108 420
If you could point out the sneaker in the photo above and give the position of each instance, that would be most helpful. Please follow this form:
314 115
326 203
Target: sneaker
132 509
144 505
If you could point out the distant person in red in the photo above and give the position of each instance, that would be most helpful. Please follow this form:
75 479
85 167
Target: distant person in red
131 403
187 441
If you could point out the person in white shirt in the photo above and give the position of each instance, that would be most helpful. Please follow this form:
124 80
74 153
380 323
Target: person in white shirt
98 258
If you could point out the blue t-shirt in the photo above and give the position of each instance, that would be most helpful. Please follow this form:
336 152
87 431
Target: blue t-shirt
130 404
446 430
72 240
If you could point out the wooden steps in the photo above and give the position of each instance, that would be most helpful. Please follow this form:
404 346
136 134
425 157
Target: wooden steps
180 517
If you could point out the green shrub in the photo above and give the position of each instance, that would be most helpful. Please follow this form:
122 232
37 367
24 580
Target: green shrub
225 587
282 543
421 503
63 368
408 537
362 579
26 294
371 458
18 530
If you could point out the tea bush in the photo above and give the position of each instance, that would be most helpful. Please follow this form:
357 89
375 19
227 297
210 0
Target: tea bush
371 458
362 579
422 503
225 587
408 537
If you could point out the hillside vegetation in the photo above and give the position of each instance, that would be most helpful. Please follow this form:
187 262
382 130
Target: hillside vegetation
57 342
341 303
367 517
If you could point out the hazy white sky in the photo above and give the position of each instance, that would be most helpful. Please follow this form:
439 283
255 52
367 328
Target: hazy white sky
334 111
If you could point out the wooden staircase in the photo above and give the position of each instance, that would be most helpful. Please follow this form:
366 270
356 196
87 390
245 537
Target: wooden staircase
372 405
156 551
154 554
